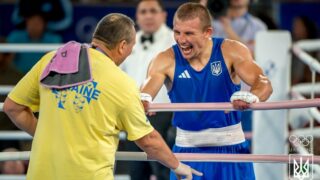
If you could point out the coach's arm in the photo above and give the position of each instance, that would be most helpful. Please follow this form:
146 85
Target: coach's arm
21 116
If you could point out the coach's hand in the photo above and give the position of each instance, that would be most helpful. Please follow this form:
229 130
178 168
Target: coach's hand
242 99
185 171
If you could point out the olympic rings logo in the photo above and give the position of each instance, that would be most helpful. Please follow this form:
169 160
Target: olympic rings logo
301 140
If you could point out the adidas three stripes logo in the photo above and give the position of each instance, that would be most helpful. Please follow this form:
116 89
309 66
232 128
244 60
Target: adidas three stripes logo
185 74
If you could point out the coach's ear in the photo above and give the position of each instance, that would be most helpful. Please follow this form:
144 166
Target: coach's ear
122 46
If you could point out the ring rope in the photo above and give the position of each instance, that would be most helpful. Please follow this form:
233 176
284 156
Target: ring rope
306 88
191 157
303 88
14 135
5 89
21 135
12 177
289 104
27 47
315 132
314 112
309 45
306 58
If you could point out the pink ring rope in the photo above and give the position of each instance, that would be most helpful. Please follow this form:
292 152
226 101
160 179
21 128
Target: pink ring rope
206 157
191 157
290 104
244 158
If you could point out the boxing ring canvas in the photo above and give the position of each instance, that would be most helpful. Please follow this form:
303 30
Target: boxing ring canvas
270 131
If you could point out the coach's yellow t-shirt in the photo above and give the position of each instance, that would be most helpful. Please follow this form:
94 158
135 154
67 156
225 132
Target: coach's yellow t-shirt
77 131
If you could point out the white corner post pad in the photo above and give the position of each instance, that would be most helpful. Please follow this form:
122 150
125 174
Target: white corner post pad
146 97
245 96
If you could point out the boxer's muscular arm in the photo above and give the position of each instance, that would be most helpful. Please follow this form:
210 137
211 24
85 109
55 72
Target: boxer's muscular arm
245 67
158 71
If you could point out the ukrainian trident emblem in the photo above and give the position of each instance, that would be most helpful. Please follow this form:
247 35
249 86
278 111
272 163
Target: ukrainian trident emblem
302 167
301 170
216 68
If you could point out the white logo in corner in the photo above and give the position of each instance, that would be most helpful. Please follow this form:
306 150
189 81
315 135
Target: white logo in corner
302 167
216 68
298 141
184 74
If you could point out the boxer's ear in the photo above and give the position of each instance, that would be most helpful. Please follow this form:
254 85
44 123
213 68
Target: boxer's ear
208 32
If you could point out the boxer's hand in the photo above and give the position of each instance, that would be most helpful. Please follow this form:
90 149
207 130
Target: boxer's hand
146 99
185 171
242 99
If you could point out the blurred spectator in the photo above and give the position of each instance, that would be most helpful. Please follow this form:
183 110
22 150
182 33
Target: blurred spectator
34 32
12 167
268 20
58 13
8 76
238 24
106 1
153 37
302 28
203 2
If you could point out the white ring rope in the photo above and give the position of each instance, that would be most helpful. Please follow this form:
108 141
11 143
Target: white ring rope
191 157
309 45
13 177
15 135
23 177
306 88
314 112
21 135
307 132
5 89
306 58
6 47
297 49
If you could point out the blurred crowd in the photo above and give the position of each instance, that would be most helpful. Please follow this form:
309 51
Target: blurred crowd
240 20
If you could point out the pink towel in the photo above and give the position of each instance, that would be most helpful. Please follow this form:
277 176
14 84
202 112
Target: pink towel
65 61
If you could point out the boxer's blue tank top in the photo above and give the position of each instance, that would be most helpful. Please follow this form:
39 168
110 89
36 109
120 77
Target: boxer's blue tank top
211 84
